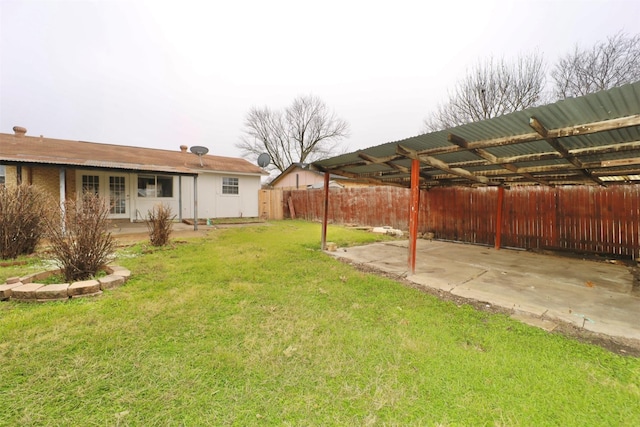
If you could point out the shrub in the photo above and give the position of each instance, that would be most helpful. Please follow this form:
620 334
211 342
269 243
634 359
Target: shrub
84 245
22 211
160 223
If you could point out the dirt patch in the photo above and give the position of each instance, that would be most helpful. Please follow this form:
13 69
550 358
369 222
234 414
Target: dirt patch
617 345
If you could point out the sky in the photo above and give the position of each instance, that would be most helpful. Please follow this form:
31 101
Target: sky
161 74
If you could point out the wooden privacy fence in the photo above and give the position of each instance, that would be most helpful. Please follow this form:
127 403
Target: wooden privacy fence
576 218
270 204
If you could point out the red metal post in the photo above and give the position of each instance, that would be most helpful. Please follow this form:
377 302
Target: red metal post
499 217
325 214
413 213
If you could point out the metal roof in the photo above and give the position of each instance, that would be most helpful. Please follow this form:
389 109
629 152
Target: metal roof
593 139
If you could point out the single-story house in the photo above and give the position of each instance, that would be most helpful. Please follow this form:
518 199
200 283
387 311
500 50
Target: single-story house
299 176
134 179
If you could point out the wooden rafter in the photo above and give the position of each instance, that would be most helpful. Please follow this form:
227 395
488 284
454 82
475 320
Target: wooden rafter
443 166
491 159
555 143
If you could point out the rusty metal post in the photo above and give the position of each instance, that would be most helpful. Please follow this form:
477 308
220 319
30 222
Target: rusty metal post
413 213
499 217
325 214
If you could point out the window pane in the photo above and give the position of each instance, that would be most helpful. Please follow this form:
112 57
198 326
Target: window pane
146 186
164 186
91 184
155 186
117 195
230 186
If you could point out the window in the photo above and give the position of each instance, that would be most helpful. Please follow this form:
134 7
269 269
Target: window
155 186
229 185
91 184
2 174
118 195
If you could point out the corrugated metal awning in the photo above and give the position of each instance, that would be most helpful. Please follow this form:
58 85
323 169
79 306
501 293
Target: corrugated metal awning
594 139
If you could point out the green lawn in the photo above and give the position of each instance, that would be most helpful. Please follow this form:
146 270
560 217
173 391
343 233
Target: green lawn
256 326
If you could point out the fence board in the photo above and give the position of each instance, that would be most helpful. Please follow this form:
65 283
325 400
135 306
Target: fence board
579 218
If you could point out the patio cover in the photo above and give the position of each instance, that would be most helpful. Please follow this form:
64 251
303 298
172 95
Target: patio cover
593 139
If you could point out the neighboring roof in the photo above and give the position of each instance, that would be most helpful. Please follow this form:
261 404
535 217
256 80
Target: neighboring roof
21 149
305 167
594 139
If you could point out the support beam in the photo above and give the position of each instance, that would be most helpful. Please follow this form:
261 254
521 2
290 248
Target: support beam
443 166
180 198
325 213
491 159
553 141
63 199
195 203
499 208
413 213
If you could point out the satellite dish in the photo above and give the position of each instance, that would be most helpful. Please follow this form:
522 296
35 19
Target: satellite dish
264 159
199 151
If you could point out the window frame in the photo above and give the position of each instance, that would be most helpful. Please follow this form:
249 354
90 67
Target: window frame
228 186
93 183
163 179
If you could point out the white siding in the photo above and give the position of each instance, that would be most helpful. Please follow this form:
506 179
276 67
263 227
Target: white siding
213 204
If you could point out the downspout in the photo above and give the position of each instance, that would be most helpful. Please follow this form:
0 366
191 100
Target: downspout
325 214
413 213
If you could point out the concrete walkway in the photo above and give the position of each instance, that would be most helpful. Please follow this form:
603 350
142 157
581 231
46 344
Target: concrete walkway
539 289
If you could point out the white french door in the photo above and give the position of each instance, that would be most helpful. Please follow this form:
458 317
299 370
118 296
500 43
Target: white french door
112 187
118 199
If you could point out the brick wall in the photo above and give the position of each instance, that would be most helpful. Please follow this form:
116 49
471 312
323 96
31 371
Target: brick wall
47 178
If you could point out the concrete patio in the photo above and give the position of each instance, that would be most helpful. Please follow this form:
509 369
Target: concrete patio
538 289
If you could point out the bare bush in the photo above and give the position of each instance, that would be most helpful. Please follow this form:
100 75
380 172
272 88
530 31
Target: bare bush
22 210
160 224
83 246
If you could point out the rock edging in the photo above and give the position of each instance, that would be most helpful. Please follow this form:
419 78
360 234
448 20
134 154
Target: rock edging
27 288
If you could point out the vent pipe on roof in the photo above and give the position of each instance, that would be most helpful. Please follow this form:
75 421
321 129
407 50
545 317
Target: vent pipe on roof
19 130
183 148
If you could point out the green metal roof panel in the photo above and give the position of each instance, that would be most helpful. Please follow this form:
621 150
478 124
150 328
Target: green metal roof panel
498 138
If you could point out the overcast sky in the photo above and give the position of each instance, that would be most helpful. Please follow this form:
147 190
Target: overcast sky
164 73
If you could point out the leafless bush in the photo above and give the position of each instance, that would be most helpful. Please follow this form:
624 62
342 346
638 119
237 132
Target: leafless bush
160 223
84 245
22 210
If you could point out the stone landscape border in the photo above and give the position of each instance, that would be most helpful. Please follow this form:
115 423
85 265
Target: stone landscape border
27 288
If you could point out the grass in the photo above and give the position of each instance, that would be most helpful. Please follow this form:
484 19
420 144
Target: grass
256 326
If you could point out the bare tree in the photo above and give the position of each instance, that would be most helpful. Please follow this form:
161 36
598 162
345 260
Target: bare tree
611 63
304 132
491 89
